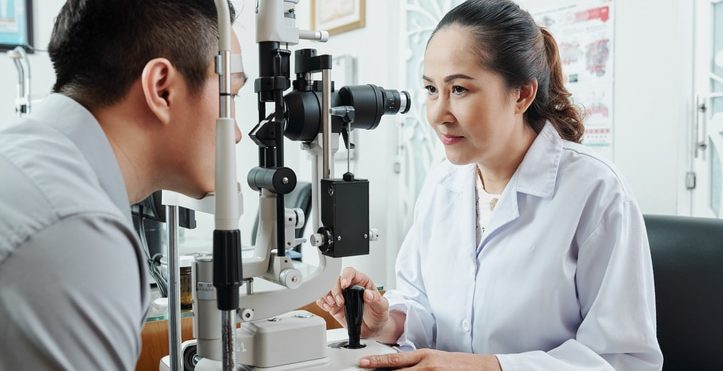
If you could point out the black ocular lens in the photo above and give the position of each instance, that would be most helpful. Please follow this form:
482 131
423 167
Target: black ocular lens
395 101
371 102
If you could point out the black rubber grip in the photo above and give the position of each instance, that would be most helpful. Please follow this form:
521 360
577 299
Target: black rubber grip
227 269
354 307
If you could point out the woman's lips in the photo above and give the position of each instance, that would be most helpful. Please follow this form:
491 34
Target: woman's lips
450 139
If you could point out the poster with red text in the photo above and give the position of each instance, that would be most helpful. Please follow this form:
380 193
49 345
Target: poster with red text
585 36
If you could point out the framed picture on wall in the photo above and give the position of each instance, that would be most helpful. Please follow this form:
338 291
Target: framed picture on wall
337 16
16 24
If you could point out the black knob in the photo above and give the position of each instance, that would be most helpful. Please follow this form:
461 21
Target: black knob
354 307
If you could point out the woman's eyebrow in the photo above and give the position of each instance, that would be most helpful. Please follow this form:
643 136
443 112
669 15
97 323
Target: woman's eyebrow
450 77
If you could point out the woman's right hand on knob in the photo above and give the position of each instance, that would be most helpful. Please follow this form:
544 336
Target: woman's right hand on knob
376 307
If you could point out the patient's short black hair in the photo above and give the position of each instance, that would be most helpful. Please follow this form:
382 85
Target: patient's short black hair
100 47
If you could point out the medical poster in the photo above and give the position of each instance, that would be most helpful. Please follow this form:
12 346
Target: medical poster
585 35
14 22
8 21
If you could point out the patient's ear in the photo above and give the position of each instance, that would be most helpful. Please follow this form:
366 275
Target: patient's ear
160 82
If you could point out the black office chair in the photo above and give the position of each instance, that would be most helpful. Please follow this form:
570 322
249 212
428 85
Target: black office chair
300 198
688 267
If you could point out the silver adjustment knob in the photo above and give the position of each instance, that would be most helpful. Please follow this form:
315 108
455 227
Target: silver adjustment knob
373 234
290 278
246 314
317 239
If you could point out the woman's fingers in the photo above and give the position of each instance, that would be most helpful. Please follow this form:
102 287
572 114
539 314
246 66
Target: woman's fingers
336 311
375 311
336 292
331 300
347 276
396 360
339 314
323 305
376 302
326 303
350 276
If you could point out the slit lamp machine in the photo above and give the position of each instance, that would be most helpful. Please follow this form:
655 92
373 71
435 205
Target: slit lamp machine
272 335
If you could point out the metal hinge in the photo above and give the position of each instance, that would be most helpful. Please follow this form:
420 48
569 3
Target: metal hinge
702 145
690 180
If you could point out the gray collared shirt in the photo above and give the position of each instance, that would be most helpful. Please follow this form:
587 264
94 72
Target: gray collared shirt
73 289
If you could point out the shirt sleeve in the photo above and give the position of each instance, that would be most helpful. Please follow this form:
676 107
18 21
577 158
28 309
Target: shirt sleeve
409 296
617 302
71 298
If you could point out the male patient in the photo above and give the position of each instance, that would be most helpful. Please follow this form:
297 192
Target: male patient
133 111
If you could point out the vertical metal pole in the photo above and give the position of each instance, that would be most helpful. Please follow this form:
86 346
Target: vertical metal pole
262 116
228 324
226 239
348 150
326 123
280 208
174 291
249 286
315 185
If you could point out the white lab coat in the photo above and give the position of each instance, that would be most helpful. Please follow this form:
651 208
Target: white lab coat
562 279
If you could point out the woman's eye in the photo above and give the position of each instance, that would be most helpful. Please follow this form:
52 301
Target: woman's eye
458 90
430 89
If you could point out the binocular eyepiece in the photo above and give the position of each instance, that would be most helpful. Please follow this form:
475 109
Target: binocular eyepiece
367 102
390 101
397 101
371 102
356 106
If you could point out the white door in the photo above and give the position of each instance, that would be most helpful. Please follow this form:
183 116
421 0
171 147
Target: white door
705 181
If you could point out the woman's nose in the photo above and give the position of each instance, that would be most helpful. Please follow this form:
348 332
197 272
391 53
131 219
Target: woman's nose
438 111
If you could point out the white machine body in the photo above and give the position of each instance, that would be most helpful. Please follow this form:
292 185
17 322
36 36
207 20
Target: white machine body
295 355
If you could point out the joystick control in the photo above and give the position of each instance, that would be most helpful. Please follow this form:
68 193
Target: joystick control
354 308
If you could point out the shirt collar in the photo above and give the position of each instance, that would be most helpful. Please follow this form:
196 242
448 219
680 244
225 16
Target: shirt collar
80 126
536 175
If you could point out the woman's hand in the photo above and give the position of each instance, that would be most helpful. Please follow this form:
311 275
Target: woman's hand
427 359
376 307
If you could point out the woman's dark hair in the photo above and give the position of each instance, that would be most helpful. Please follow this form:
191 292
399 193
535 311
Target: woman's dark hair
510 43
100 47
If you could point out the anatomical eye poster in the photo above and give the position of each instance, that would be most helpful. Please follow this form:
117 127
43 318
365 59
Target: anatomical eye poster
585 31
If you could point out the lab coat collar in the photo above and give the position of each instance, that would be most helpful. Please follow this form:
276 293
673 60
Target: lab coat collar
536 175
80 126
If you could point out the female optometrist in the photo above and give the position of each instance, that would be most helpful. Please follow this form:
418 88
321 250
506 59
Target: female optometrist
527 251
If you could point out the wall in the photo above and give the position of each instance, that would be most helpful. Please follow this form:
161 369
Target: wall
652 98
653 77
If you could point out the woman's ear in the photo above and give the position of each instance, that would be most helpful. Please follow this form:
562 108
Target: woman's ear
159 81
525 96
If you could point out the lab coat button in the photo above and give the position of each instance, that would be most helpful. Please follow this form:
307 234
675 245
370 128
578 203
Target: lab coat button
465 325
